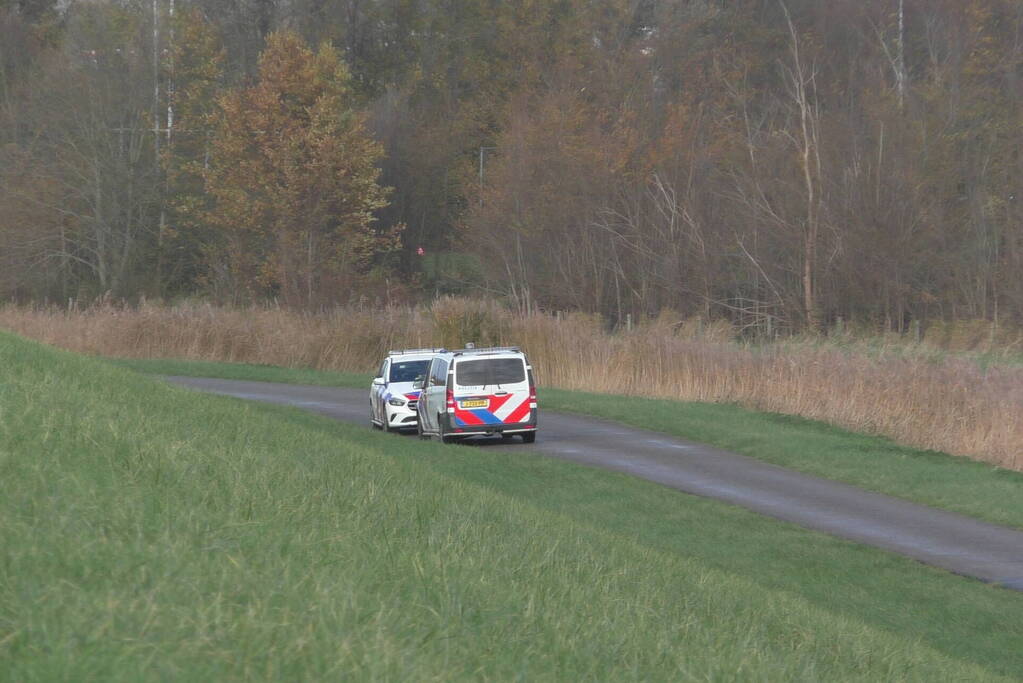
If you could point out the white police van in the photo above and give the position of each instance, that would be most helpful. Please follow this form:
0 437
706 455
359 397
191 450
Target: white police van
478 392
393 396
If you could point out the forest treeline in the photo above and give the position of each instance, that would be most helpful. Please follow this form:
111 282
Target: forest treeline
781 163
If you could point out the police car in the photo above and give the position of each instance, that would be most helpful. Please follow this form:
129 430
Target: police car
478 392
392 396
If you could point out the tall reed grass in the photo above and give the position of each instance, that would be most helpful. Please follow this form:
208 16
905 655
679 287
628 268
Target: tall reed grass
940 401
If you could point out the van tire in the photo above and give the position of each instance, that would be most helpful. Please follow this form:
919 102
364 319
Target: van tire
528 437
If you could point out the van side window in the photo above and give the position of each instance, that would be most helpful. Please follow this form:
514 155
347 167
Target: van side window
438 373
382 370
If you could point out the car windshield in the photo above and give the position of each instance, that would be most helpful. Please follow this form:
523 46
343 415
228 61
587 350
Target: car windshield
474 373
408 370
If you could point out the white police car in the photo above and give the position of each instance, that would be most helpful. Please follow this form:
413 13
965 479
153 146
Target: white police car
474 392
392 396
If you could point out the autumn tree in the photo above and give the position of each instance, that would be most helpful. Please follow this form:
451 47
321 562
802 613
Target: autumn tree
293 180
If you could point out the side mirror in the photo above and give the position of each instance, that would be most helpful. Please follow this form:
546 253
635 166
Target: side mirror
418 384
378 381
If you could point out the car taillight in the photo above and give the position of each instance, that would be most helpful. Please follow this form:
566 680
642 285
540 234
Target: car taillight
451 401
532 396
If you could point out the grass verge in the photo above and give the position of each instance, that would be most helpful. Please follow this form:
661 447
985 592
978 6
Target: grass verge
871 462
153 533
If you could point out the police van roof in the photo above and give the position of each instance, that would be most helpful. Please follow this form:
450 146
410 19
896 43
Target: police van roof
487 351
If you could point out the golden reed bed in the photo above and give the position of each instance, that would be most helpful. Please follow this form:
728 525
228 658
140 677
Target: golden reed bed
931 400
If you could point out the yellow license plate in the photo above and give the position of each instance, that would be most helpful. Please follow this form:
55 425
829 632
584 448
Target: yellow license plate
474 403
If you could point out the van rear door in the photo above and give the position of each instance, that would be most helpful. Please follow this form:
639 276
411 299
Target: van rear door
491 391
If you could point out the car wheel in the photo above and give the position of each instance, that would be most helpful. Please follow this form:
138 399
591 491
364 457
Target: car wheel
528 437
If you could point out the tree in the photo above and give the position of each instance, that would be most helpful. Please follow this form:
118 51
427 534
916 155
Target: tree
293 179
85 171
197 72
802 87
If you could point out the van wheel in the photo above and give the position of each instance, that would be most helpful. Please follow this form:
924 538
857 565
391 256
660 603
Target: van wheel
528 437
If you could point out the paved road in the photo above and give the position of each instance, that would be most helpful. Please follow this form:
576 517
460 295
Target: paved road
959 544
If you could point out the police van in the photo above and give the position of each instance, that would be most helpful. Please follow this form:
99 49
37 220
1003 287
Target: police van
475 392
393 396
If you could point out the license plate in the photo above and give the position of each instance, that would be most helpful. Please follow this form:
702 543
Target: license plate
474 403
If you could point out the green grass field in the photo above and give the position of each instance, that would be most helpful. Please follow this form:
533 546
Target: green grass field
149 532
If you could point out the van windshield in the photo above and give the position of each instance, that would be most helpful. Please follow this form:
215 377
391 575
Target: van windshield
474 373
408 371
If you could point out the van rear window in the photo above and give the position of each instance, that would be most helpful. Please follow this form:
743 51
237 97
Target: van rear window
474 373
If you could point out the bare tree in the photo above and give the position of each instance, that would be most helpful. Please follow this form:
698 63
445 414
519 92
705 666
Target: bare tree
801 82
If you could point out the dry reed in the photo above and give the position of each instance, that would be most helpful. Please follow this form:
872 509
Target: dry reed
943 402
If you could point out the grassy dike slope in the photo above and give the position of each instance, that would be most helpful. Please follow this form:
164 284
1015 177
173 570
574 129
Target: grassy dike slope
149 532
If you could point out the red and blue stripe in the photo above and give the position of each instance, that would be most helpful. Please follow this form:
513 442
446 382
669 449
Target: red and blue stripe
481 417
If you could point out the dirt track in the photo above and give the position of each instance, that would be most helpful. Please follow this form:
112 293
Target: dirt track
959 544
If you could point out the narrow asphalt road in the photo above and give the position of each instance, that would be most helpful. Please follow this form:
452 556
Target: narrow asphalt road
943 539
